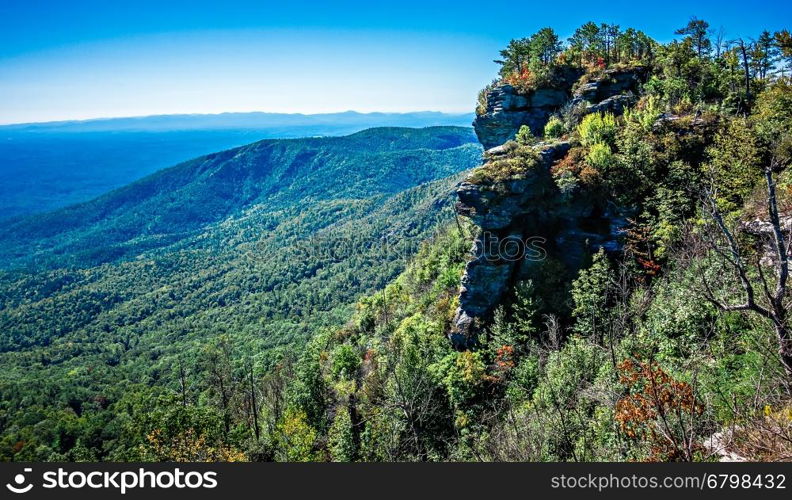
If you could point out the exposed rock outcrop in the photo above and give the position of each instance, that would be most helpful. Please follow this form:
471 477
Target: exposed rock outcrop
523 217
520 220
610 83
764 232
508 214
507 109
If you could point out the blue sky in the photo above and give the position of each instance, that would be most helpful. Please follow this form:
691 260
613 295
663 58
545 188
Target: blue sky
87 59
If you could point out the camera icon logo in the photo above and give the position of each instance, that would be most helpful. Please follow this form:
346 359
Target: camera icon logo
19 483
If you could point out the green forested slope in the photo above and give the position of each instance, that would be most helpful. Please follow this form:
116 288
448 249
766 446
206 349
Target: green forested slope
270 175
262 245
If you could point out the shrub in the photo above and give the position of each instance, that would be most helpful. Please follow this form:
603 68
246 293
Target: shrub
567 183
734 163
563 399
658 411
773 117
645 114
671 90
600 156
524 136
295 438
341 438
345 361
596 128
462 374
554 128
518 161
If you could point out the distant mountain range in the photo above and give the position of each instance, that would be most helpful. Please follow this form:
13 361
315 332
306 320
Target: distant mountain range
44 166
271 175
330 123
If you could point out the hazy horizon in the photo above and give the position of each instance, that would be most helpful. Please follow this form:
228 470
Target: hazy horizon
221 113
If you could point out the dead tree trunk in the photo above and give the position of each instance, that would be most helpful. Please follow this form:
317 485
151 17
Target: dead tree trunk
746 69
770 301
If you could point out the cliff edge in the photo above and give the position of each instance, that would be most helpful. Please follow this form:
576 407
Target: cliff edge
521 215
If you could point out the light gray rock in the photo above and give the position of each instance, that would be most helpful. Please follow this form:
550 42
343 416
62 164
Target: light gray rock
507 211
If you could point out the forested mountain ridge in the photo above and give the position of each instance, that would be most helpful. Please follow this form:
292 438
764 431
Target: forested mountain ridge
176 203
46 166
260 246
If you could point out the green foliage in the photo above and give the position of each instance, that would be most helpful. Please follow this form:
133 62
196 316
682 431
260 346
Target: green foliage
345 361
408 363
462 374
297 243
590 292
644 115
697 35
519 160
600 156
532 54
523 315
676 319
545 46
524 379
597 128
733 164
773 118
597 46
341 437
515 57
296 438
567 183
588 43
524 136
561 397
218 328
310 390
554 128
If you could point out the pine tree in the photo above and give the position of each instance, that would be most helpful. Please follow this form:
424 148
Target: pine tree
697 32
590 293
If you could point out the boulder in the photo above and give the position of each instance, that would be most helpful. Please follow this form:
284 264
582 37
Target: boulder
615 104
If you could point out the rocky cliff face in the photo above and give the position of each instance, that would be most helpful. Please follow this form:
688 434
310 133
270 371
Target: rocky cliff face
610 91
507 109
511 216
523 218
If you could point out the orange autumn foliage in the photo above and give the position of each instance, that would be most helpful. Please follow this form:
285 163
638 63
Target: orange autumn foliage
658 410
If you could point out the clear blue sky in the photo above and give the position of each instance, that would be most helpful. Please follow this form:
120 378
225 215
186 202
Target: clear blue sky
84 59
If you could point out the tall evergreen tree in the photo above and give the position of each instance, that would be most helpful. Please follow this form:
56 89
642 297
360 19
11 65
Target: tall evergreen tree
697 31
